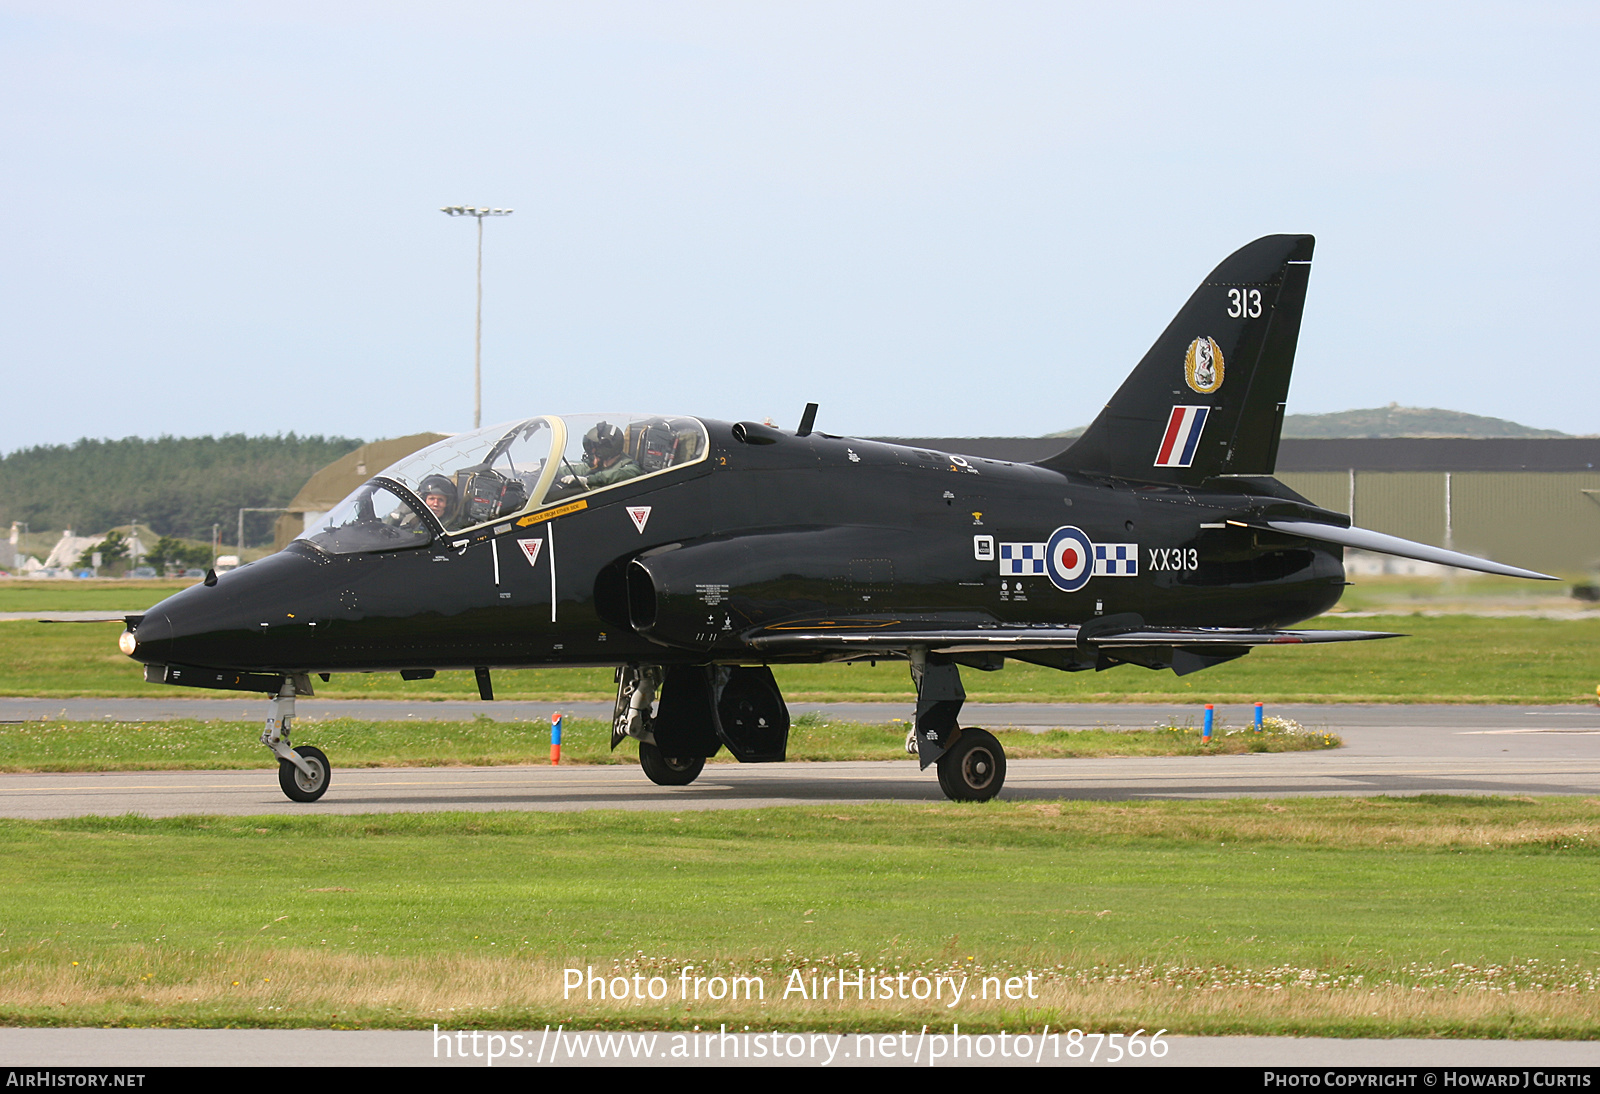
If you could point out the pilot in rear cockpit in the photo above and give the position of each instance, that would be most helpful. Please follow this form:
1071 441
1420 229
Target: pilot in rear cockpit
604 461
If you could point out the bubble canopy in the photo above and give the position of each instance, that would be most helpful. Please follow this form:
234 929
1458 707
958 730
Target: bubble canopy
504 470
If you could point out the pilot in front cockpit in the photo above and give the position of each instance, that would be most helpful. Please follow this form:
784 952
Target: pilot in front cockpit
439 495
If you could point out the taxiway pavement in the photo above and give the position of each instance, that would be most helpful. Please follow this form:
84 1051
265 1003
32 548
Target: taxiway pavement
130 1050
1388 750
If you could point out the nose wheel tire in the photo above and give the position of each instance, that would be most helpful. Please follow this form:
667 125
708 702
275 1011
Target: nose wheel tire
297 784
974 769
669 770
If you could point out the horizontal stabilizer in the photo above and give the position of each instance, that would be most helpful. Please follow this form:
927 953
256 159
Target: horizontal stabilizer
1366 540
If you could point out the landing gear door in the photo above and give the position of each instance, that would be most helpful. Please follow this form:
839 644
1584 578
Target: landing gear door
751 716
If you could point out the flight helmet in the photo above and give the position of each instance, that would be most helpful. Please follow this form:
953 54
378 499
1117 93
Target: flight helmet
443 487
603 442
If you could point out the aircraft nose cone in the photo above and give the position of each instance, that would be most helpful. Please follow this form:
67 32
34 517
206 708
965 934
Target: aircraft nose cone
252 619
152 639
195 627
171 635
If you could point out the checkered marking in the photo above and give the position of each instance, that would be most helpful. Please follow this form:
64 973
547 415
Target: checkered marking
1116 560
1070 571
1022 560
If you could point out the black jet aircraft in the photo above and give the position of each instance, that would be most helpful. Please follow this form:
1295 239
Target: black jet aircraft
692 555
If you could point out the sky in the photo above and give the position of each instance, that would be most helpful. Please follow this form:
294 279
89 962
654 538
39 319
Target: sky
933 219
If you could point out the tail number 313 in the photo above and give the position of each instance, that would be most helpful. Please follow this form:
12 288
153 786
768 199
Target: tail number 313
1244 303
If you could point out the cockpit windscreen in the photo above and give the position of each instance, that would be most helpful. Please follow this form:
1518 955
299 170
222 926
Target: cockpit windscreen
374 518
491 474
480 476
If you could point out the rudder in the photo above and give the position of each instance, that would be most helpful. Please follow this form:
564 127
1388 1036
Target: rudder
1208 397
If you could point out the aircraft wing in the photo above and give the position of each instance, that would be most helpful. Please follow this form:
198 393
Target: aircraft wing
889 635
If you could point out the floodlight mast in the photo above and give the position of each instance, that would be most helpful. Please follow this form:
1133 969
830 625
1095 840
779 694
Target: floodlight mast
477 333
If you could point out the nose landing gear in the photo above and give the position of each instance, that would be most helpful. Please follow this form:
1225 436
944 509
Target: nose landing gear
303 773
300 785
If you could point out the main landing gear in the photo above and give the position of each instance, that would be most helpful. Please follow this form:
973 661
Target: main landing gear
974 768
667 757
633 716
669 770
303 772
682 714
971 763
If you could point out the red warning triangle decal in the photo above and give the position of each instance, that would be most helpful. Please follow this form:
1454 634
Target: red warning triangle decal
530 547
640 515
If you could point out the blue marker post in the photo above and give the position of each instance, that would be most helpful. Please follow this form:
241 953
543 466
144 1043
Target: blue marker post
555 738
1258 717
1205 734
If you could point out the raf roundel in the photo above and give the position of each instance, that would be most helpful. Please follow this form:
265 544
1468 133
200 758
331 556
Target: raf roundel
1069 559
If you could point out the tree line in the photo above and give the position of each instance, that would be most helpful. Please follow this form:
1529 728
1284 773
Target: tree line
178 486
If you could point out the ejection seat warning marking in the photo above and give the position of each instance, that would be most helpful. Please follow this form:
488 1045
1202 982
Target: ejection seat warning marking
551 514
712 594
530 547
640 515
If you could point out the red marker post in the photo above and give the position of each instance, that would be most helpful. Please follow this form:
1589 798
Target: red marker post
555 738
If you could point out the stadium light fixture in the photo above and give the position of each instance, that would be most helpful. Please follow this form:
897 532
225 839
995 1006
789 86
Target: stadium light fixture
477 335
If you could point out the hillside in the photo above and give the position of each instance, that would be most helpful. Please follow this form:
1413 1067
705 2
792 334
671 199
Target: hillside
178 486
1393 421
1406 421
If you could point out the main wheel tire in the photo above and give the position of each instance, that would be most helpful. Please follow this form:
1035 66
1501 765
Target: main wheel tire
669 770
974 769
295 782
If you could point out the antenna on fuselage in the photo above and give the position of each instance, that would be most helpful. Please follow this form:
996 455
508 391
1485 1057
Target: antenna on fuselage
807 420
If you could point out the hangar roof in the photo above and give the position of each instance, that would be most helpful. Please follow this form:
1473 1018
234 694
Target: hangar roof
1339 454
1441 454
328 487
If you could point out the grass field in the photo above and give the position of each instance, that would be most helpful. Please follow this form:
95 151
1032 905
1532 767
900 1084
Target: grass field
1445 660
200 746
1343 917
1462 591
131 596
1369 917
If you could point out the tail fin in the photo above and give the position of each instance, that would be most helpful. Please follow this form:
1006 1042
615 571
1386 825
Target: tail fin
1208 397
